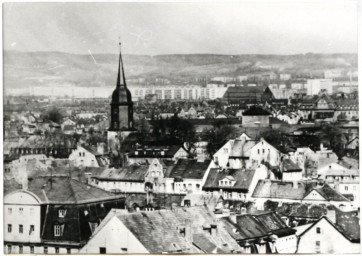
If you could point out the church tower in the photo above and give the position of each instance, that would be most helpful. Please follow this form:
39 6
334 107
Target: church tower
121 104
121 124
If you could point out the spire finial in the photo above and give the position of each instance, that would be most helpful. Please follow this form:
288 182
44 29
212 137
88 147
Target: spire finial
121 78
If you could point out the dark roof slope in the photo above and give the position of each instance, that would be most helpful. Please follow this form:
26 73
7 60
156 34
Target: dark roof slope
243 179
189 169
64 190
134 173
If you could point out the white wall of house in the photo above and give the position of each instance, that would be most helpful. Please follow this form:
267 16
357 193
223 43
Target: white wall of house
31 249
221 157
82 157
124 186
287 244
22 208
263 151
114 236
330 241
292 175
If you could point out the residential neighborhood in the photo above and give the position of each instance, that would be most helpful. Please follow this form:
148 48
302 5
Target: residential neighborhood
181 153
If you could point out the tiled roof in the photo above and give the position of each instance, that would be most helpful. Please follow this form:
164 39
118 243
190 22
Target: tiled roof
254 226
55 140
243 179
134 173
203 243
285 190
189 169
290 166
64 190
149 228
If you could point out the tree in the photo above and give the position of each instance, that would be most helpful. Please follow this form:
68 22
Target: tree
143 129
277 139
183 131
334 138
218 136
54 115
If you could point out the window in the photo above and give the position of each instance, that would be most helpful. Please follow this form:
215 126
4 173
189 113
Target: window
317 246
318 230
45 250
32 249
10 210
258 151
124 249
57 250
20 249
62 213
9 228
57 230
9 249
21 229
346 188
80 153
31 230
226 150
102 250
21 210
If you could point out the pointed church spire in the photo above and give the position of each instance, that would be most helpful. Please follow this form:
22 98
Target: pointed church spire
121 80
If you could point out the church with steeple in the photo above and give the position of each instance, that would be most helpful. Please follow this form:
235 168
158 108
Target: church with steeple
121 123
121 104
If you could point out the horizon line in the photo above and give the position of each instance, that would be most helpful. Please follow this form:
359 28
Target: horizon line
166 54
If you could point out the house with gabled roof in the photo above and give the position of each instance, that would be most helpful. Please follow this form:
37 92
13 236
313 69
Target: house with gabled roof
188 176
88 156
234 184
261 232
324 236
299 192
189 230
54 214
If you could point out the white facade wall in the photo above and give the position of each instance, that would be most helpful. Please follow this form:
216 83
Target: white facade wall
287 244
82 157
22 208
263 151
221 157
315 85
330 241
116 238
124 186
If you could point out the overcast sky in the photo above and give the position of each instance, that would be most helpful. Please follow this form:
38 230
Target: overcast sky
169 28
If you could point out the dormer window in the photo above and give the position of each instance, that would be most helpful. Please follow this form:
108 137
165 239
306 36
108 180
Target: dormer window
61 213
58 230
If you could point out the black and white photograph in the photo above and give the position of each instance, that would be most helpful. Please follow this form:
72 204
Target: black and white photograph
199 127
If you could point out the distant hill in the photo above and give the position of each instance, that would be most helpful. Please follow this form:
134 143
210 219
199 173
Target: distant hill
55 68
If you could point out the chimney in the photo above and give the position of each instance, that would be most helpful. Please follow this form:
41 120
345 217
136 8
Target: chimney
188 230
295 184
232 218
101 148
331 215
213 228
25 182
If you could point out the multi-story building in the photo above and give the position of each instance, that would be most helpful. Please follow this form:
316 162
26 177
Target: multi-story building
314 86
54 215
